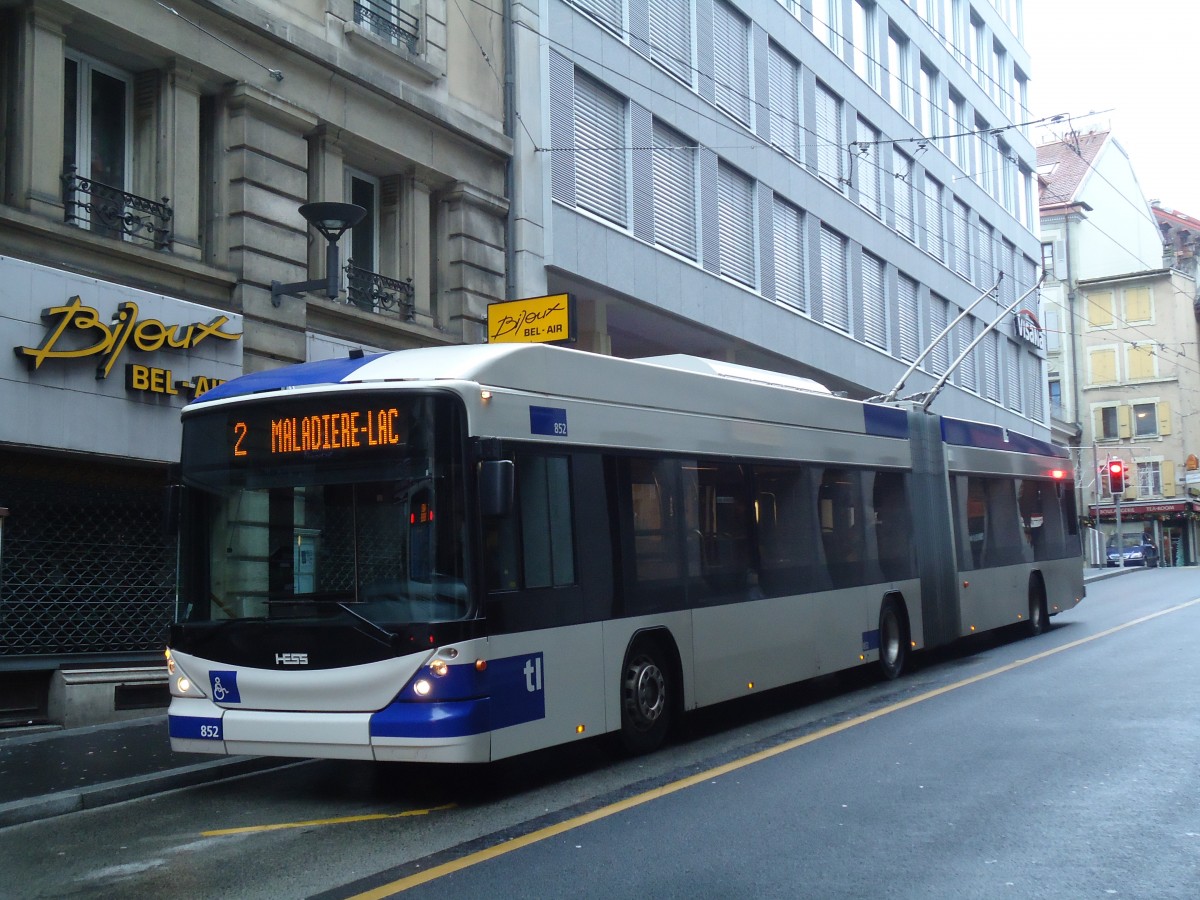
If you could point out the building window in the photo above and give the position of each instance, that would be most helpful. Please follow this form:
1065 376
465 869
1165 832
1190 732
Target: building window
1048 259
962 240
1102 365
1056 402
1100 313
866 169
731 61
1106 423
674 173
865 49
939 317
363 243
600 156
1149 478
959 148
1145 420
789 254
935 233
910 341
671 37
874 304
899 87
930 108
827 23
735 218
1142 361
783 91
966 375
903 202
1138 307
835 280
830 145
607 12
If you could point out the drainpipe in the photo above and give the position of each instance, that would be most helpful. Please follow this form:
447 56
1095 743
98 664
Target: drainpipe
510 219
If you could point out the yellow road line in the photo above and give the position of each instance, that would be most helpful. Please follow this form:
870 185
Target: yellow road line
341 820
534 837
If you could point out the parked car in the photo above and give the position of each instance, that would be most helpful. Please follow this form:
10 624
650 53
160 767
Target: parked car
1137 552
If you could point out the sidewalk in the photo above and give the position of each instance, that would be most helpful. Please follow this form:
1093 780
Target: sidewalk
48 772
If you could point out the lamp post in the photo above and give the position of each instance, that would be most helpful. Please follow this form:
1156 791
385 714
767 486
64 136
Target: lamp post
332 220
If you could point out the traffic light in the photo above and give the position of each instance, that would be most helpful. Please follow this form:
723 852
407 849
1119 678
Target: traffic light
1116 477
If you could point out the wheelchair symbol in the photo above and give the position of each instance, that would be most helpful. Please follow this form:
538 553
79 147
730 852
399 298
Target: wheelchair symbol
224 686
219 692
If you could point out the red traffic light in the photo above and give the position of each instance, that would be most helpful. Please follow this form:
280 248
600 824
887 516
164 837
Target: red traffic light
1116 476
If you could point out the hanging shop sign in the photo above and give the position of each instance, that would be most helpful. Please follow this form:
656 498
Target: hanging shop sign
1129 510
534 320
1027 327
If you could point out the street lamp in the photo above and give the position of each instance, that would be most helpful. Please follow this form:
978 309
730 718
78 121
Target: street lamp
332 220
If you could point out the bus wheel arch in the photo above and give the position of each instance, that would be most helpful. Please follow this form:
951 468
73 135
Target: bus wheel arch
1039 616
894 636
651 691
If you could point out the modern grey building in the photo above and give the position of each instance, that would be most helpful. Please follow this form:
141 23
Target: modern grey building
817 187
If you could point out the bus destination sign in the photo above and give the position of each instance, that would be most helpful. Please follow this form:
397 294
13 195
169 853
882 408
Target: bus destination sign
330 431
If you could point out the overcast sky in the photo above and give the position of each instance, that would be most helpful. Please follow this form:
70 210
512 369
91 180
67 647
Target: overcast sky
1134 65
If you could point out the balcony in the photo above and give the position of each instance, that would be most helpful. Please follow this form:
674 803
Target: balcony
389 22
372 292
115 213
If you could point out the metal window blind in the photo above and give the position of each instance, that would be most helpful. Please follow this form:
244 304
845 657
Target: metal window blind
735 216
866 167
834 281
935 235
874 310
600 150
562 129
731 61
1014 376
902 169
674 171
783 95
939 356
828 109
965 333
671 37
910 342
789 254
962 249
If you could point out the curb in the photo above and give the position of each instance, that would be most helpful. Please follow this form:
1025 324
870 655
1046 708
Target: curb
47 806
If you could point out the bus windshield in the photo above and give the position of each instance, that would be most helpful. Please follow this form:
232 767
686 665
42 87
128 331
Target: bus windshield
325 507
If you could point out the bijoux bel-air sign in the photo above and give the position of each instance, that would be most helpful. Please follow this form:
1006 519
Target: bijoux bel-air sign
75 331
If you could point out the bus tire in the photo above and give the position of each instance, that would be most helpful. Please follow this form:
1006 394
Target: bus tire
647 697
893 638
1039 618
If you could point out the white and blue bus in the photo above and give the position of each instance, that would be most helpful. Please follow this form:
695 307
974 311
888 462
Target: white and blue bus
461 554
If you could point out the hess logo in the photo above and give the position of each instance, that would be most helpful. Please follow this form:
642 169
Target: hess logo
291 659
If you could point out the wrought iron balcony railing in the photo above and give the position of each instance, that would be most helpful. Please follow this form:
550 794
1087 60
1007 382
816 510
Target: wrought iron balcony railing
389 21
111 211
373 292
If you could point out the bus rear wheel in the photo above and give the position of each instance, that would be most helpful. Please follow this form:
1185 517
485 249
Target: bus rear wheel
1039 619
893 639
646 698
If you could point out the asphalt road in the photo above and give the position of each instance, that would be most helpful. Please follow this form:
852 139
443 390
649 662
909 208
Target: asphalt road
1061 766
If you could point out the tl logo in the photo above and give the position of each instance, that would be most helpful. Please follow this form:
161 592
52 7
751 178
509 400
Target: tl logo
533 674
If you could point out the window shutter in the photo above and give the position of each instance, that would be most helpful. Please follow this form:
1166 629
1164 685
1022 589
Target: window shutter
874 311
866 166
962 251
784 97
735 211
1164 417
1168 478
789 254
935 235
902 169
731 61
828 109
835 296
607 11
562 129
600 150
910 342
671 37
1124 421
966 369
991 367
939 356
674 170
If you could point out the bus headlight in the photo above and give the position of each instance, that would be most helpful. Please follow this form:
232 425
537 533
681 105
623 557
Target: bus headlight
422 687
439 667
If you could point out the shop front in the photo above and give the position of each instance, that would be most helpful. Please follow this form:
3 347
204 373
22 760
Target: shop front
91 393
1168 525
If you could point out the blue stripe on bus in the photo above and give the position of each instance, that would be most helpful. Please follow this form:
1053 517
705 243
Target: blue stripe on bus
196 728
325 371
992 437
516 693
885 421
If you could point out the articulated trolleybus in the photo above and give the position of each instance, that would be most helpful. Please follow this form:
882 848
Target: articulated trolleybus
461 554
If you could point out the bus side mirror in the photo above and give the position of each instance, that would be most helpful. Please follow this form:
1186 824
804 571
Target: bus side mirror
495 487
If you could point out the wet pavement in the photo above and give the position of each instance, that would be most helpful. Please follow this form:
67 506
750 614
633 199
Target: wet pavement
48 772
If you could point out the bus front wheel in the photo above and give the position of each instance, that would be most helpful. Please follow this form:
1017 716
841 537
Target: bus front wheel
893 639
646 698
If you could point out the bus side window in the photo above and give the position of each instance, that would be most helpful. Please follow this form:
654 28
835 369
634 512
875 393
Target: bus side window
655 529
893 527
843 532
544 495
534 545
790 554
721 527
